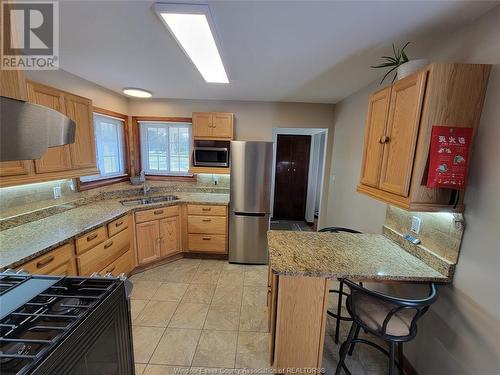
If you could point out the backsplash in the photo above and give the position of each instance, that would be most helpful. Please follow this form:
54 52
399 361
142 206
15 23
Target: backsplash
17 200
440 232
36 198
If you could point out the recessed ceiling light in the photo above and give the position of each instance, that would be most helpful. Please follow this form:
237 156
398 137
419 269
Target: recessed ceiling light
192 27
137 93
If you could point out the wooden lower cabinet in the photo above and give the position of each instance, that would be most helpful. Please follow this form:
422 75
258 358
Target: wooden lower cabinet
16 168
170 236
156 239
147 239
207 228
124 264
58 262
297 319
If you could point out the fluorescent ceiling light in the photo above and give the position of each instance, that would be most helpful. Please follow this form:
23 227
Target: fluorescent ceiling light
190 24
137 93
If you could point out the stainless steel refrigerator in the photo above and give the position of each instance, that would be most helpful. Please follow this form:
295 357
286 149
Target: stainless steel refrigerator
250 206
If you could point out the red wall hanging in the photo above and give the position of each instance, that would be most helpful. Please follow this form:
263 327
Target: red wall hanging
449 157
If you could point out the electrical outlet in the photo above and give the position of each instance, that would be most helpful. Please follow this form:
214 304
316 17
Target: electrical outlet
215 179
57 192
415 224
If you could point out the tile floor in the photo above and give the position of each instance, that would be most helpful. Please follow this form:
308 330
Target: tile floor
196 315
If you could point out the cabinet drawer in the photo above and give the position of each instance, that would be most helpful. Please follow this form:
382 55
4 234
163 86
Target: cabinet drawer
118 225
52 262
91 239
203 209
97 258
207 242
157 213
123 264
207 224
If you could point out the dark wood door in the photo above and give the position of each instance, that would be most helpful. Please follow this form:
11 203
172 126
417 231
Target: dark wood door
292 168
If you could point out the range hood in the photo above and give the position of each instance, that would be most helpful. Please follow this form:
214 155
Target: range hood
27 130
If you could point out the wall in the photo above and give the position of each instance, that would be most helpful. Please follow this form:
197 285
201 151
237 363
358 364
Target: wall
253 120
460 333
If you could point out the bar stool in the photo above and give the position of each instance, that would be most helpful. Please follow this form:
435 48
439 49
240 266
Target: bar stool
390 318
337 315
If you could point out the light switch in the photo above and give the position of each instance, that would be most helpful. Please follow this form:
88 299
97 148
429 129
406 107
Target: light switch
415 224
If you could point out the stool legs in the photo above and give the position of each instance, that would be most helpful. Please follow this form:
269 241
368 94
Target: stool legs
344 348
392 352
351 349
400 358
339 308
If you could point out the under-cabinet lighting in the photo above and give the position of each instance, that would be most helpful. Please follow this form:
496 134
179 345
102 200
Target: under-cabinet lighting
137 93
192 27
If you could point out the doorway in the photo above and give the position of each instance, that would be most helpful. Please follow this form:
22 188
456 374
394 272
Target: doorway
291 176
316 160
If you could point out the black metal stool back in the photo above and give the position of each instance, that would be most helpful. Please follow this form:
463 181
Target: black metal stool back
340 291
393 319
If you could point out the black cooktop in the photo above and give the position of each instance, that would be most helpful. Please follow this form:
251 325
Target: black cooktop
37 312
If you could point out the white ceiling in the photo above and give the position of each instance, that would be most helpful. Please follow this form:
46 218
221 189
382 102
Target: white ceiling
308 51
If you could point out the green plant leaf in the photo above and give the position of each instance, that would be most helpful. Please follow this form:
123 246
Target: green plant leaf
386 74
384 65
405 58
390 58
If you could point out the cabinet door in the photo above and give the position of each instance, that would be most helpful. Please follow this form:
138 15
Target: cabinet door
169 236
378 106
222 125
13 84
148 241
401 133
15 168
56 158
83 150
202 125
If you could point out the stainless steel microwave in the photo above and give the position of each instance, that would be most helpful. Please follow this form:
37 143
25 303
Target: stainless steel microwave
211 154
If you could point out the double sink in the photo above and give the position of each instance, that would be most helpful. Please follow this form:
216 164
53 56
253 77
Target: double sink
149 200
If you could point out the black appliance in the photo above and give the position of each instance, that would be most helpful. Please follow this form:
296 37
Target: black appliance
211 153
64 325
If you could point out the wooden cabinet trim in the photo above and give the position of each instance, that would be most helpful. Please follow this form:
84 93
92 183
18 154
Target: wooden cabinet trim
55 262
91 239
156 213
207 224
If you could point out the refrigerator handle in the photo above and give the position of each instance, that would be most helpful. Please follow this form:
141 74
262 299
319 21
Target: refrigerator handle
241 213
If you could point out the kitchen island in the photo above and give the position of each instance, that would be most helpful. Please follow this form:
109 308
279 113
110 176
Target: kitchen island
300 267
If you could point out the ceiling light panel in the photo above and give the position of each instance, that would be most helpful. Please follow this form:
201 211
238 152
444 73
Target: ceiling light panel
192 27
137 93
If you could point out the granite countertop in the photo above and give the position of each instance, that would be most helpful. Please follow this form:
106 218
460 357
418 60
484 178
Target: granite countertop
27 241
360 257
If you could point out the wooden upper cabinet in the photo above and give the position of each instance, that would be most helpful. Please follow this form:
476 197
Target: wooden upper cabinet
202 125
222 125
170 239
400 136
56 159
16 168
399 126
83 150
147 236
378 107
212 125
13 84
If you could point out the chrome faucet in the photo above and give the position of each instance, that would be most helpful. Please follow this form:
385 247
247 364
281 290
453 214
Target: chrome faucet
145 187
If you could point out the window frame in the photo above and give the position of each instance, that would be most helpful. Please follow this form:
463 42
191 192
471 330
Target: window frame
81 186
137 149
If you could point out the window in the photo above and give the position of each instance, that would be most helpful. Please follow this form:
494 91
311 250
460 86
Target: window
110 147
165 147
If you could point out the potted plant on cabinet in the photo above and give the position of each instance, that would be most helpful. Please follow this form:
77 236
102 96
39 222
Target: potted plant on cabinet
401 63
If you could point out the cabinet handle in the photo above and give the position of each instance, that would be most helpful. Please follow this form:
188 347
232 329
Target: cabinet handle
206 238
384 139
119 223
91 237
44 262
108 244
158 212
206 209
207 220
111 269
